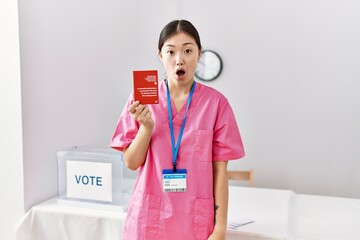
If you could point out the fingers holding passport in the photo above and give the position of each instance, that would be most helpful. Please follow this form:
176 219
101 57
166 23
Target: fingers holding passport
141 113
132 108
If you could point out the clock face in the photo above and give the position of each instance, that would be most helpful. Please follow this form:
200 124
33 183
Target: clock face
209 66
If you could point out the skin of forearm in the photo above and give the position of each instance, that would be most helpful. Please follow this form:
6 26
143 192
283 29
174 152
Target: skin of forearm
135 153
221 196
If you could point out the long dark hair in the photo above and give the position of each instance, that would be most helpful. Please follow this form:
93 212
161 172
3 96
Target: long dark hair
177 26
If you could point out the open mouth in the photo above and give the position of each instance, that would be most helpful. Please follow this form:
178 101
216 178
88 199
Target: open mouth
180 72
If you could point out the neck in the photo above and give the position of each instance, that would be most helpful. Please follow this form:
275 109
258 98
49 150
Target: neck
180 88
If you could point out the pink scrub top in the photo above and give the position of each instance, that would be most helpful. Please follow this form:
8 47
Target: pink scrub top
211 134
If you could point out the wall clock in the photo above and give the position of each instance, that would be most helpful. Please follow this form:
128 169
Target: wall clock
209 66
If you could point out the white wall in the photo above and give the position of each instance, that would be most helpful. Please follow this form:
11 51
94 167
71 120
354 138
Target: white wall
291 71
11 170
292 74
76 58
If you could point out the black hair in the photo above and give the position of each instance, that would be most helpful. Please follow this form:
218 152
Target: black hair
178 26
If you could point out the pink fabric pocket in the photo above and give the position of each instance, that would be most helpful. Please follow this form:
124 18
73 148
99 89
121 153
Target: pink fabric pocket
203 218
142 220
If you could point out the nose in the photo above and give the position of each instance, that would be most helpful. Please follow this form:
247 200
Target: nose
179 60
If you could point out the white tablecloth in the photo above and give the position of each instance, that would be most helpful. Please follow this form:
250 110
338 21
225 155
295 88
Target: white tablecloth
55 221
271 210
277 215
328 218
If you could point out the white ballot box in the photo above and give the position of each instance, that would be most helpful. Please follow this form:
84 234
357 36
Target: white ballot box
91 175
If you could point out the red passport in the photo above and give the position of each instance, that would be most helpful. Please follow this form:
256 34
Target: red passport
146 86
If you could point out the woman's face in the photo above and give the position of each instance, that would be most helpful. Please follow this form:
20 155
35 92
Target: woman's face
180 55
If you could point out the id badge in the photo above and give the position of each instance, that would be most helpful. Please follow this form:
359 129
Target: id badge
174 181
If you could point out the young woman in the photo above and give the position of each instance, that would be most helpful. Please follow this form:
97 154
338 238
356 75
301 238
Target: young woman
181 146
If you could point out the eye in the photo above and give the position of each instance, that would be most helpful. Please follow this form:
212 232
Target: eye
188 51
170 52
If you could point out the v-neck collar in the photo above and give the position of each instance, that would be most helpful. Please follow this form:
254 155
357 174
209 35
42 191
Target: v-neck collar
177 116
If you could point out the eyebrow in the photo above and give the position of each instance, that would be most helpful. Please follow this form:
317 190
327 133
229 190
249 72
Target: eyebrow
184 44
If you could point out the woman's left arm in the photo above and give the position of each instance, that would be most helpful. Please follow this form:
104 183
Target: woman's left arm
221 195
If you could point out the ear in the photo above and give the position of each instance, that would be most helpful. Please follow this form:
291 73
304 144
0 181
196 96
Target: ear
160 55
199 55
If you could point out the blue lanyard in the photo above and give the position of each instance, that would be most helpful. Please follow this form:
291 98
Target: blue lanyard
175 149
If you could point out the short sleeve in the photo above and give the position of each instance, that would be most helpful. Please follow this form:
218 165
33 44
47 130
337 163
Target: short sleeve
125 130
227 142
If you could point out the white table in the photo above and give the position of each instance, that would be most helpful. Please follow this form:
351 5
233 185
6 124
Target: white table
328 218
55 221
278 215
272 210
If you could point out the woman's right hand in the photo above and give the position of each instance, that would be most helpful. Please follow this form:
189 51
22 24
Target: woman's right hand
135 153
142 114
